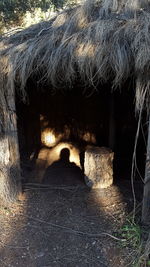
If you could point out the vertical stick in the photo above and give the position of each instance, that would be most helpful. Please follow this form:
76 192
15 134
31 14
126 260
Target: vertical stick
146 195
111 123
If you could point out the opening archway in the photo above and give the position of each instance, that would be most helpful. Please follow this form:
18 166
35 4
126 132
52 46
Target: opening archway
74 119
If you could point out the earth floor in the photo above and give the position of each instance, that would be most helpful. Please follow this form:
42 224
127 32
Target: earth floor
64 223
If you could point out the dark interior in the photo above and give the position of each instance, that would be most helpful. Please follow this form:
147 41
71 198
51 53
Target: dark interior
108 118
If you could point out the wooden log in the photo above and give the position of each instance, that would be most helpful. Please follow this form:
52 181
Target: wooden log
98 167
146 195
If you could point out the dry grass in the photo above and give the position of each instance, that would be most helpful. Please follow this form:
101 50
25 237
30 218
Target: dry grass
97 41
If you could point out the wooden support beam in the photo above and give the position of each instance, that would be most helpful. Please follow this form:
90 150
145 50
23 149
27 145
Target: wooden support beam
146 195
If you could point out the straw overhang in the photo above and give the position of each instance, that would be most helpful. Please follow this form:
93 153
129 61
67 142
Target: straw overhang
98 41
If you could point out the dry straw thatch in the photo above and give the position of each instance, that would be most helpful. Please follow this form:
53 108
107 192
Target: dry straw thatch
98 41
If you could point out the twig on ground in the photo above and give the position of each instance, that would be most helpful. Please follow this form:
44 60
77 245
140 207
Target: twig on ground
34 186
72 231
31 189
15 247
50 186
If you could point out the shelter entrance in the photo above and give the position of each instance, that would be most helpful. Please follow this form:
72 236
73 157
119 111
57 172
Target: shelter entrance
55 130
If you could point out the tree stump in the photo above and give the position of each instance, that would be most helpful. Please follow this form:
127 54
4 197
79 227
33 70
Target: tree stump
98 167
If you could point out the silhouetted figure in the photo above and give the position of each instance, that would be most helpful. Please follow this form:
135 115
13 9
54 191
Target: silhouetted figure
65 155
63 171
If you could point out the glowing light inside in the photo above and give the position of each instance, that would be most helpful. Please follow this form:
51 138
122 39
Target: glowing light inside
48 138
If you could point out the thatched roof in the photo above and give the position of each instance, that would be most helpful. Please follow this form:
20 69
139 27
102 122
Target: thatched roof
98 41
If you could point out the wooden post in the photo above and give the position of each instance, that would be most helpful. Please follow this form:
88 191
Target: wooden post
146 195
9 151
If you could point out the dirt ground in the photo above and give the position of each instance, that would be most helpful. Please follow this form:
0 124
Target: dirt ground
64 223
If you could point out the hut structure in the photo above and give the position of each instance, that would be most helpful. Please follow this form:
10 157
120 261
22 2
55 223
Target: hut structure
99 48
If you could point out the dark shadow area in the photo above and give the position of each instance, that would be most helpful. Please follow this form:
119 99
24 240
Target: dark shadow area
103 119
64 172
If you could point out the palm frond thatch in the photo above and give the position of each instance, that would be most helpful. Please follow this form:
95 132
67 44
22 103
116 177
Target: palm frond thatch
98 41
